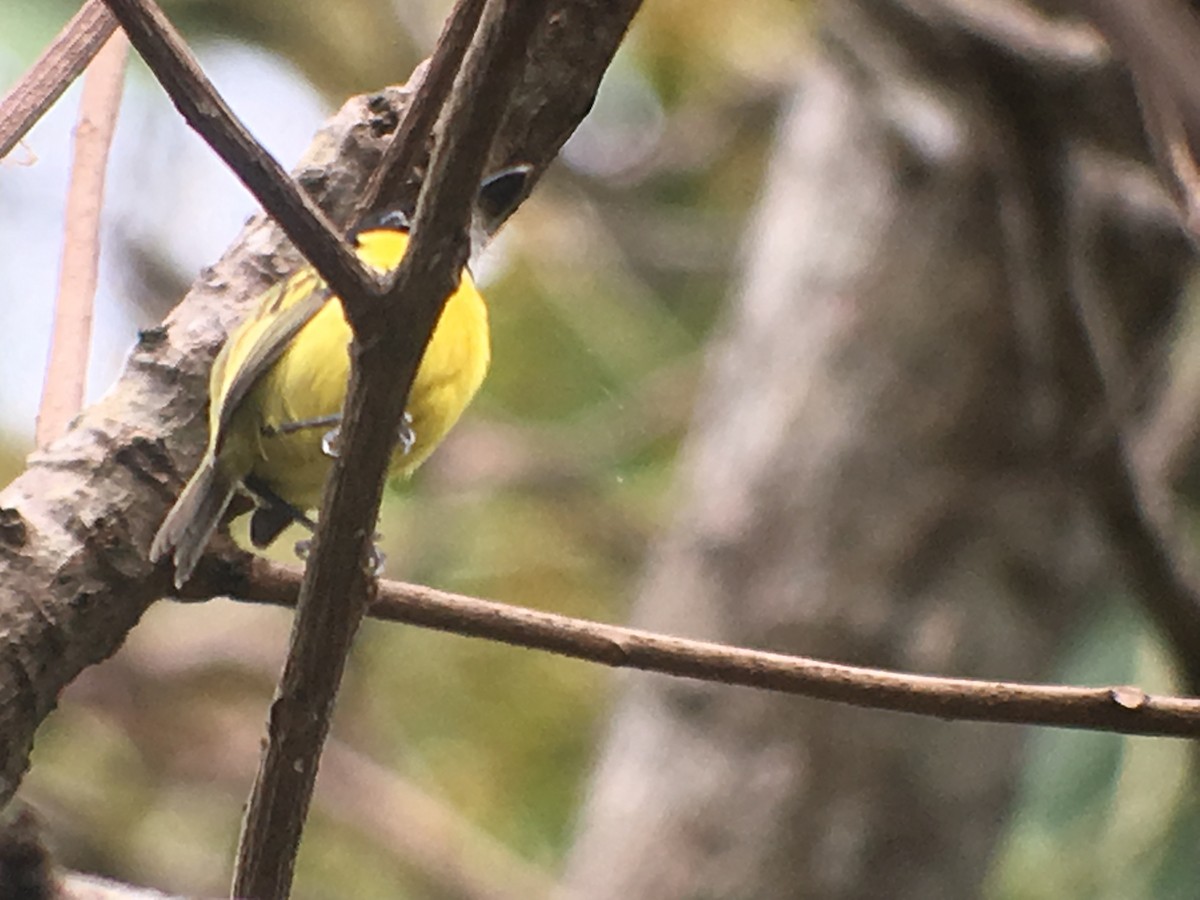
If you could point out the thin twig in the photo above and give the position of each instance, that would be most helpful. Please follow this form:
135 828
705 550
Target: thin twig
176 69
390 337
1120 709
59 65
66 373
387 187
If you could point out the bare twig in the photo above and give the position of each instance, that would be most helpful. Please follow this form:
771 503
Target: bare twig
390 337
1120 709
66 373
176 69
68 55
388 185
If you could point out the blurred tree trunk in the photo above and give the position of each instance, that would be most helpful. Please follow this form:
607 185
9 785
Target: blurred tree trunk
901 459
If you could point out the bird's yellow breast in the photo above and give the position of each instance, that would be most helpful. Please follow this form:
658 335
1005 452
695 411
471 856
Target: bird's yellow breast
309 381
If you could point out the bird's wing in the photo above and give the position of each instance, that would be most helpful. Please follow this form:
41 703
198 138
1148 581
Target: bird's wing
280 317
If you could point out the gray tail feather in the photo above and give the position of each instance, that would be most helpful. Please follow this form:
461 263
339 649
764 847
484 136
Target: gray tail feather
193 518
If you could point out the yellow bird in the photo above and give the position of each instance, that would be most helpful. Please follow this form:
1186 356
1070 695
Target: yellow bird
279 383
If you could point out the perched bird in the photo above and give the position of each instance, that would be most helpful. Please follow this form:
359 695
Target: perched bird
279 383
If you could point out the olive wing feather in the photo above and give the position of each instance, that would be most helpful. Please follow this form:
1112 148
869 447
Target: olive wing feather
282 314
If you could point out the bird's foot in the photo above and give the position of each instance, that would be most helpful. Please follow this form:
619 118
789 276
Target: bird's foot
405 436
331 443
376 558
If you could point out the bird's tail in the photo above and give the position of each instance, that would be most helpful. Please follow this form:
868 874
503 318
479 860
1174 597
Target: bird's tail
185 532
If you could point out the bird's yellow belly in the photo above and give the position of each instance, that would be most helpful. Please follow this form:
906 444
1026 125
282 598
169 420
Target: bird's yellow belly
294 465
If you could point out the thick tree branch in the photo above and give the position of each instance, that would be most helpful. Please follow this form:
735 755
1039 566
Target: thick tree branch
74 526
60 64
76 523
1120 709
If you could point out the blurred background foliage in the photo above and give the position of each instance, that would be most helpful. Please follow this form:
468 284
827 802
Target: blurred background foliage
459 763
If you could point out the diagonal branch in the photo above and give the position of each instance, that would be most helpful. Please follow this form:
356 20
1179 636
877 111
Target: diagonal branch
389 339
393 184
59 65
176 69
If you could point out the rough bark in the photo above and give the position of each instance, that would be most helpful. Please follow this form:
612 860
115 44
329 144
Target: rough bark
74 527
894 462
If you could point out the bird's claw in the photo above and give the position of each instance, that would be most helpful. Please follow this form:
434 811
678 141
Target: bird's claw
405 435
331 443
376 558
